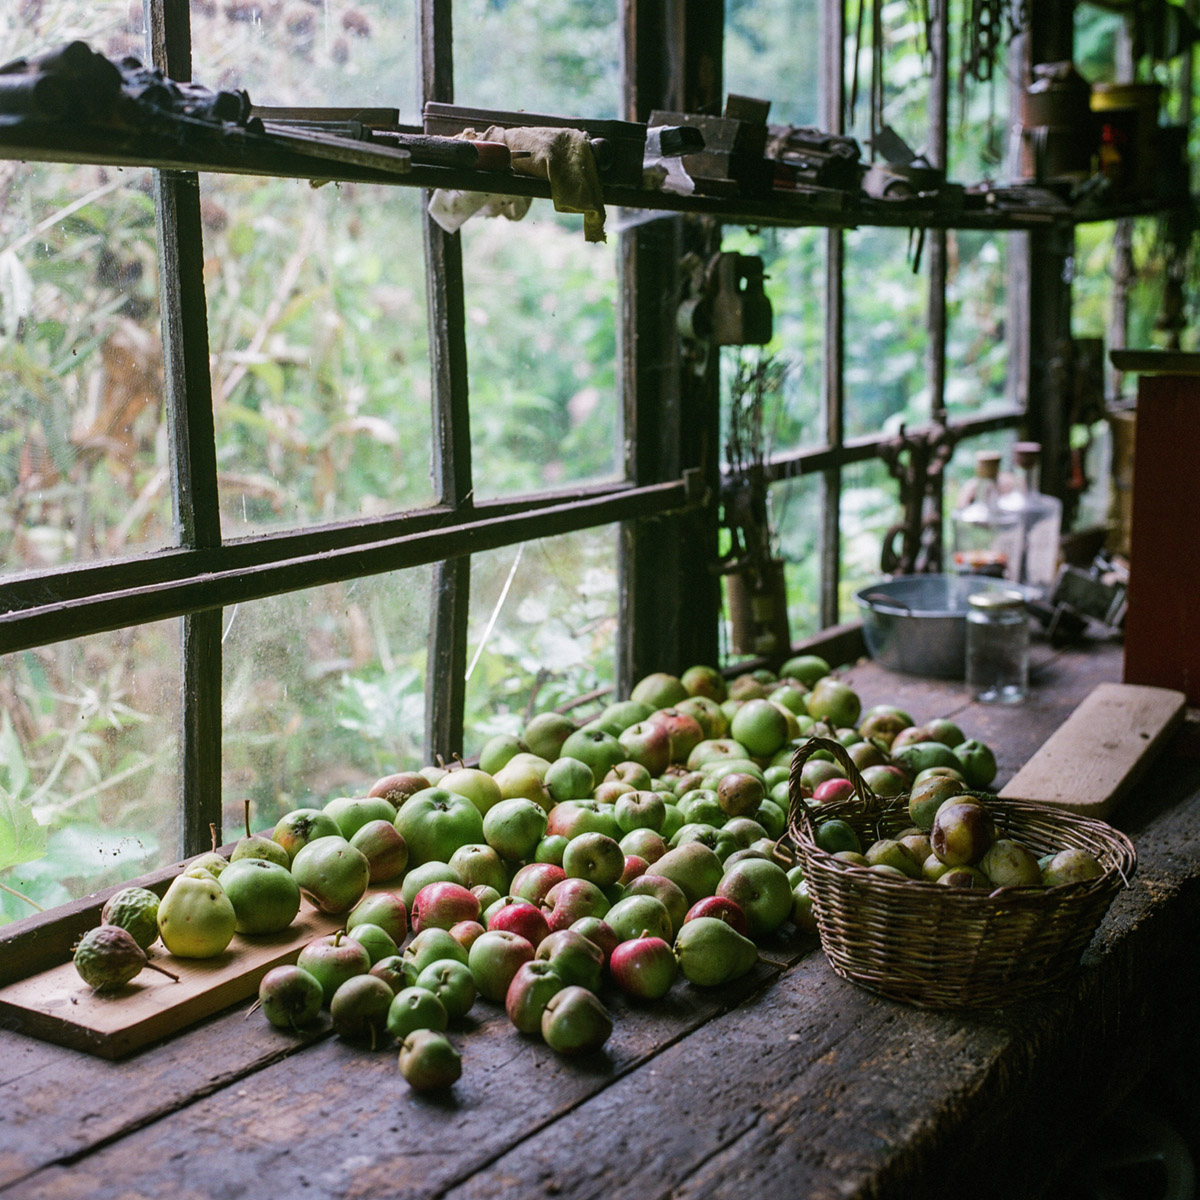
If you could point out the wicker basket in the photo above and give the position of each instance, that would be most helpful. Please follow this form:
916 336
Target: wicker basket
939 947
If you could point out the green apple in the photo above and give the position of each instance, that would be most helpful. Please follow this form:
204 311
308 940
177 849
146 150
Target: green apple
706 681
978 762
352 812
498 750
621 715
451 981
332 959
378 943
576 959
195 917
1008 863
301 826
574 1021
594 857
428 1061
432 945
694 868
358 1009
494 959
708 714
478 863
892 853
385 909
265 895
659 689
601 751
332 874
636 915
834 702
514 827
545 733
435 822
478 786
569 779
524 775
259 845
414 1008
808 668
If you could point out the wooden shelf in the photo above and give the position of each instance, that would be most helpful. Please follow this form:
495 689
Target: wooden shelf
201 147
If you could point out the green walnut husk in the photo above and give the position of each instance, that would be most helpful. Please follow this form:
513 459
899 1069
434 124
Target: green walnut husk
136 910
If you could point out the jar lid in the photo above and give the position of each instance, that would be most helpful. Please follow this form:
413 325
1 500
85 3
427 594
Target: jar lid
997 600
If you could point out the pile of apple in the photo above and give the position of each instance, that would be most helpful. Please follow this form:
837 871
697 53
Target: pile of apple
623 852
953 841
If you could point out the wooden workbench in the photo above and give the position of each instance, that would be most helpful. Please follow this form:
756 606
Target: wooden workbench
792 1084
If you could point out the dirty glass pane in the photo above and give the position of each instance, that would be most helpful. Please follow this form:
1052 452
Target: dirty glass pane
84 470
320 366
772 52
886 376
541 322
542 629
331 53
89 764
559 56
323 693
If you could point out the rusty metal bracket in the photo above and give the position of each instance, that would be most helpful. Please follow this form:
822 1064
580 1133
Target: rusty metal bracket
916 461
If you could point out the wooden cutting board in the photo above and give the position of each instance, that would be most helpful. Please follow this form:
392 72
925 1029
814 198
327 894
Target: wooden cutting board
57 1006
1090 763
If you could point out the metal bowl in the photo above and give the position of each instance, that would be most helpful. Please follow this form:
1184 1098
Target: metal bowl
917 623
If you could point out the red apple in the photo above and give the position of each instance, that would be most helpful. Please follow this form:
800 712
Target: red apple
635 865
647 743
724 909
644 967
398 787
441 905
571 899
520 917
534 880
683 729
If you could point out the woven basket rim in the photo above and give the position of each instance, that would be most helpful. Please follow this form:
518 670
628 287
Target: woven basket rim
938 947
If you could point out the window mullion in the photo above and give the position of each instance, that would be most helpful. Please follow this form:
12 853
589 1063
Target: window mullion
193 451
833 93
445 679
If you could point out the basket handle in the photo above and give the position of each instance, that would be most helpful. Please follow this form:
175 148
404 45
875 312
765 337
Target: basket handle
799 813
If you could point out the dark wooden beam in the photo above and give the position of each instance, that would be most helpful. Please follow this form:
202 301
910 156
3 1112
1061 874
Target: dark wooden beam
445 680
192 441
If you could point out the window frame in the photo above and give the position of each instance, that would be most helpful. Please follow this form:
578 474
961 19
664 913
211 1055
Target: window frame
667 506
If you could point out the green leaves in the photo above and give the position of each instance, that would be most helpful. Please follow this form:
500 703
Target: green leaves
22 839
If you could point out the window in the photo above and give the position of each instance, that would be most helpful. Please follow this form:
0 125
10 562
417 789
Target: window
371 492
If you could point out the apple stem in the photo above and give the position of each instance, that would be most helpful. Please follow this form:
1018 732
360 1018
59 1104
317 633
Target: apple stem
247 816
162 970
253 1008
212 833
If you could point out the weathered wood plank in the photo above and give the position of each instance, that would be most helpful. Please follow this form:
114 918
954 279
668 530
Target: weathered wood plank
336 1119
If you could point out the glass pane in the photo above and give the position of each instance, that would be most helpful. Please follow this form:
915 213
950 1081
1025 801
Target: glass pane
323 693
559 57
772 52
886 375
316 315
796 514
794 266
111 27
83 449
332 53
977 357
541 310
870 506
542 629
89 780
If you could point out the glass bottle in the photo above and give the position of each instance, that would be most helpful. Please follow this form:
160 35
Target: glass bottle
986 538
1040 518
997 667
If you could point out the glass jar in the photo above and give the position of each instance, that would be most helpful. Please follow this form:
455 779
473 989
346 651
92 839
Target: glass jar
997 668
1040 518
986 539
